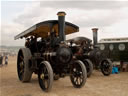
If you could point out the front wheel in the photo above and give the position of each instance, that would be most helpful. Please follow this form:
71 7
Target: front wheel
45 76
106 67
78 74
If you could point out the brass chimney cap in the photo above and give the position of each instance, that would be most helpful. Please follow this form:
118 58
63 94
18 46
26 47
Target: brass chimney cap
61 13
94 29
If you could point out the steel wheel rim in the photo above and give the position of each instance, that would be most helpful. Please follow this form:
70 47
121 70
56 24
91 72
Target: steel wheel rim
87 66
77 75
106 66
21 68
44 77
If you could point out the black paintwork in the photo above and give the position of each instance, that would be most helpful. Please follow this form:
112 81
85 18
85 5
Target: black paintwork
115 54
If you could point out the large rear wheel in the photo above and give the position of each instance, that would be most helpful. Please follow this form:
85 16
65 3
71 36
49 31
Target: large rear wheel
45 76
23 70
78 74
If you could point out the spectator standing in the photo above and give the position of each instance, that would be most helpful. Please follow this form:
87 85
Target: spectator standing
1 60
6 60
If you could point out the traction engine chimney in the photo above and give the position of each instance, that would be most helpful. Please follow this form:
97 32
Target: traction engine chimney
94 30
61 25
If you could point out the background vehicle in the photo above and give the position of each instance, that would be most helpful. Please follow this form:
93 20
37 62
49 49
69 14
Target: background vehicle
91 54
98 57
117 50
81 46
51 56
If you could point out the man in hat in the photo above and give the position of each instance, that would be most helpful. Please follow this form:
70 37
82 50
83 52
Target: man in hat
33 44
27 43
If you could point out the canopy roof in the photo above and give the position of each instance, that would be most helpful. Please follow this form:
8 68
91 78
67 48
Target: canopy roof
41 29
78 40
114 40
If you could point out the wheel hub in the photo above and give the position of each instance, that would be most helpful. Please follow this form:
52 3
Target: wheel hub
106 65
21 65
42 76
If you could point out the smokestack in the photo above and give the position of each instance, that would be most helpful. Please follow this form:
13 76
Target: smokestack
94 30
61 25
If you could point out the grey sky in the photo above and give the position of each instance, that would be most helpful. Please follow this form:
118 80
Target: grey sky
110 17
88 5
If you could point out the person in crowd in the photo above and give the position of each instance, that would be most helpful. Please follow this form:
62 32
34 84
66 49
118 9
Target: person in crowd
1 60
6 60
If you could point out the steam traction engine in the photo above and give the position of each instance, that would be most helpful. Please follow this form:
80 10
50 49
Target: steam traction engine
80 47
50 57
90 54
99 58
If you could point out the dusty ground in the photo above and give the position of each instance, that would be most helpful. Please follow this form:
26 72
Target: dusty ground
96 85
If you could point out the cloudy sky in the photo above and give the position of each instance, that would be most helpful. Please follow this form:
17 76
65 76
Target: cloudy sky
111 17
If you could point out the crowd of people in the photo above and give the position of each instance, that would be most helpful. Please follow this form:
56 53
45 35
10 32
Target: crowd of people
3 60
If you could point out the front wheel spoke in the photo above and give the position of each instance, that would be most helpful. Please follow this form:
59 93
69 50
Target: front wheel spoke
46 76
77 75
74 74
81 79
46 83
77 80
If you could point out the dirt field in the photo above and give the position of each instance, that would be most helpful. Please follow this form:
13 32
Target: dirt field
96 85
